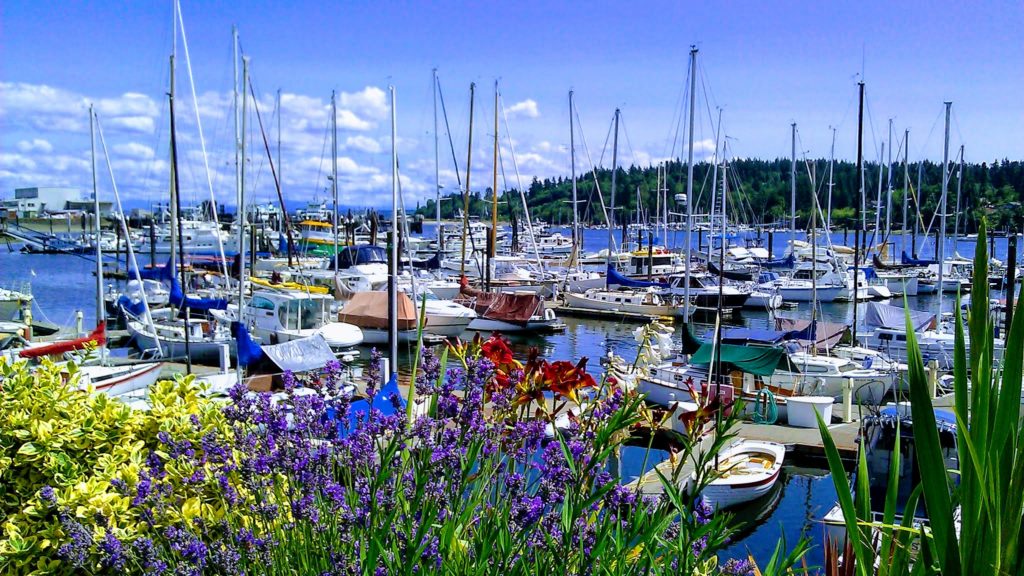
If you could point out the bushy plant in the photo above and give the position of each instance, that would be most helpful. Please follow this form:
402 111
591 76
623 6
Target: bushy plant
62 447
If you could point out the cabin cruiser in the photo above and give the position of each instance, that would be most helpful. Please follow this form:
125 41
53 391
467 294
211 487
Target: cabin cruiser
282 316
361 268
706 293
547 245
888 334
643 301
198 236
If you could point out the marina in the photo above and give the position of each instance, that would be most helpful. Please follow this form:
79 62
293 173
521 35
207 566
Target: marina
381 330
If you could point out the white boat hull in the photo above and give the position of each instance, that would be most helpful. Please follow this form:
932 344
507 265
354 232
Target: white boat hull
754 473
118 380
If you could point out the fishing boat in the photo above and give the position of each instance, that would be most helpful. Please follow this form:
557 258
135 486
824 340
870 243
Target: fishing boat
745 471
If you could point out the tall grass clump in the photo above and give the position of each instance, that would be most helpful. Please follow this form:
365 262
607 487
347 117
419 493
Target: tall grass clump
974 524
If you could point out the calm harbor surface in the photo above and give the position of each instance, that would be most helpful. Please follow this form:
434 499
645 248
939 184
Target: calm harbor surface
65 284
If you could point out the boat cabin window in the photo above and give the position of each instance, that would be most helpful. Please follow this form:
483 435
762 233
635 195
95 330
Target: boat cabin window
261 303
301 314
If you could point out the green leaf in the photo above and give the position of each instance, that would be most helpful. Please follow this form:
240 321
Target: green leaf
928 452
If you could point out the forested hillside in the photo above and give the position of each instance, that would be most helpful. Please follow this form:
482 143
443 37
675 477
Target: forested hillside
759 192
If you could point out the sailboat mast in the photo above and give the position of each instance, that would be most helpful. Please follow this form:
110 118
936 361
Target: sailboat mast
611 201
492 244
176 224
858 222
437 168
393 248
906 186
465 192
240 125
689 185
572 170
792 193
334 181
100 308
942 206
814 257
888 194
831 183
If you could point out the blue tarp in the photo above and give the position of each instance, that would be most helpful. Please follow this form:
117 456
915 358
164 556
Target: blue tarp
248 351
869 272
617 279
385 401
945 420
752 336
786 262
907 259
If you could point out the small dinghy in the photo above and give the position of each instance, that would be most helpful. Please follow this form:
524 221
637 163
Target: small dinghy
748 470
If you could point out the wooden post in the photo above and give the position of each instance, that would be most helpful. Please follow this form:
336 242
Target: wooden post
848 400
1011 279
933 377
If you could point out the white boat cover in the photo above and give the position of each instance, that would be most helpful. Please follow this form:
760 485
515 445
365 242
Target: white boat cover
894 317
300 355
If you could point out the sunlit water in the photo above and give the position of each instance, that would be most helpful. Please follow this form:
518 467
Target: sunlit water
64 284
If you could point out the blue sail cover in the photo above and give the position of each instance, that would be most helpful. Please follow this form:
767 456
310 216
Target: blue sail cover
134 308
910 260
248 351
163 273
787 262
616 279
179 299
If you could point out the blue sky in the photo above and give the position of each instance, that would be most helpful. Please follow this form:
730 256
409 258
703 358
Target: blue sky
765 64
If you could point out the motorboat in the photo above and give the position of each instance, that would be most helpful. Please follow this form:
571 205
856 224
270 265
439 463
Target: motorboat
282 316
744 471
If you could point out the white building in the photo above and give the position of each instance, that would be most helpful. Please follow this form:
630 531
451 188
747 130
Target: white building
32 202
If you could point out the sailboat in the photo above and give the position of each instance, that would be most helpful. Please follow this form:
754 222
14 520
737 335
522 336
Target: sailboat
632 296
196 339
102 376
516 311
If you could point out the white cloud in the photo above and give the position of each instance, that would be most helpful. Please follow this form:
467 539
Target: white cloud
363 143
347 120
527 108
134 150
141 124
370 101
35 145
16 162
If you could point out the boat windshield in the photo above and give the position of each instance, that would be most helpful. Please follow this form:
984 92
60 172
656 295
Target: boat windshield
307 314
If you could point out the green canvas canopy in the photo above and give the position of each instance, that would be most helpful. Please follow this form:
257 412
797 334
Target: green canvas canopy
756 360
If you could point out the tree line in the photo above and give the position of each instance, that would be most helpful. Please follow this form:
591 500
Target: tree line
759 193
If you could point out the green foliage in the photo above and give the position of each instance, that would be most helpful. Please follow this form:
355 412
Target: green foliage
54 433
974 525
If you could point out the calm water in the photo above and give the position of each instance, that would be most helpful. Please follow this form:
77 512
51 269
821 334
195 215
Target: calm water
63 284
